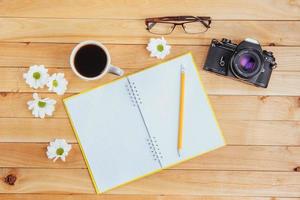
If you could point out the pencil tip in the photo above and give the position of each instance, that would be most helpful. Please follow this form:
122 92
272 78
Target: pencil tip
179 152
182 68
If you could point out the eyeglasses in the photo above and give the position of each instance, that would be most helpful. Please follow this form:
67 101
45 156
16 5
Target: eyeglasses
166 25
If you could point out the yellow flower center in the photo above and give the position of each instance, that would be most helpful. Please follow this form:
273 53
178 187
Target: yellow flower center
55 83
36 75
160 47
41 104
60 151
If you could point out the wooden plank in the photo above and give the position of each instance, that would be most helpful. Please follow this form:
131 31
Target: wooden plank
130 197
226 107
47 181
167 182
35 130
281 83
257 158
134 32
256 107
237 132
54 55
33 155
195 182
284 61
289 10
15 105
261 132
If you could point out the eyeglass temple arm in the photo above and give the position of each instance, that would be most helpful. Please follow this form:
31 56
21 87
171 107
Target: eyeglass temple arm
168 18
171 18
206 21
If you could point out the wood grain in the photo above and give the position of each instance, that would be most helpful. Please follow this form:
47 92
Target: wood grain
237 132
195 182
33 155
281 83
47 181
261 126
256 107
35 130
226 107
135 9
129 197
261 132
134 32
249 158
56 55
167 182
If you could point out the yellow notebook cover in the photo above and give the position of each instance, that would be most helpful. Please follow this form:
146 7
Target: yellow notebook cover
128 128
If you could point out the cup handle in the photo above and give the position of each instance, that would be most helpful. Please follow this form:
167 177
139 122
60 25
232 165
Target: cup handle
115 70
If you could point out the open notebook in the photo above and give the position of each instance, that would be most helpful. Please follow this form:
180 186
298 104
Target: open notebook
129 128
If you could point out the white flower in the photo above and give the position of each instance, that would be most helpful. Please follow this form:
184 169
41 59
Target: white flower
58 149
57 83
41 107
37 76
158 48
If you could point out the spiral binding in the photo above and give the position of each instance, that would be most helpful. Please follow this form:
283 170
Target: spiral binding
133 93
154 148
136 101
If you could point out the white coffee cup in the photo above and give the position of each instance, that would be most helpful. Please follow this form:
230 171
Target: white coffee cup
107 69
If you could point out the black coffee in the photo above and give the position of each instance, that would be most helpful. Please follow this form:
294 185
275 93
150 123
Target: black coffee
90 60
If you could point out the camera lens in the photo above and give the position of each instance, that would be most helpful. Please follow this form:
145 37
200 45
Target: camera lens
246 63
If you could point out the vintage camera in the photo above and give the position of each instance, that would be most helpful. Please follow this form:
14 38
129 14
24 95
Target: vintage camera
245 61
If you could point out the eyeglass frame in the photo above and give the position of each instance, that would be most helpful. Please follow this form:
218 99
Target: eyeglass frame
206 21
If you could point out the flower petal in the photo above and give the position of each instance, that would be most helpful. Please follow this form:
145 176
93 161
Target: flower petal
32 81
154 52
53 146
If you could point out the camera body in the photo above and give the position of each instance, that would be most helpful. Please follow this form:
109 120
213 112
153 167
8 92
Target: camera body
245 61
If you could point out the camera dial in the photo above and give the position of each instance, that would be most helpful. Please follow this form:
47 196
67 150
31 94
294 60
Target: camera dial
224 40
268 53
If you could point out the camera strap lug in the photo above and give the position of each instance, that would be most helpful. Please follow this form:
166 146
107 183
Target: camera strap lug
274 65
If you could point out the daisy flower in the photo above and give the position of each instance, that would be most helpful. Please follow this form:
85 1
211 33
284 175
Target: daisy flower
158 48
58 149
57 83
41 107
37 76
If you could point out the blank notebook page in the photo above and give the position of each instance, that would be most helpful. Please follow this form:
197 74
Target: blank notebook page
129 128
112 134
159 90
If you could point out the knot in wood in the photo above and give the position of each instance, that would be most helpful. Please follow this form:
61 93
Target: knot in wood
10 179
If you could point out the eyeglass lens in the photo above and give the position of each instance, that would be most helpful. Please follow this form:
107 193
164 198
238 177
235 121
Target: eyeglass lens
162 28
167 28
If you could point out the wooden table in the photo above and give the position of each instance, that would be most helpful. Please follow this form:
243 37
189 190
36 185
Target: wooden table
261 126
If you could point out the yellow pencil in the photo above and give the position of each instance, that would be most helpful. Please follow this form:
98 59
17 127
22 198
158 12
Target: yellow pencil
181 110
